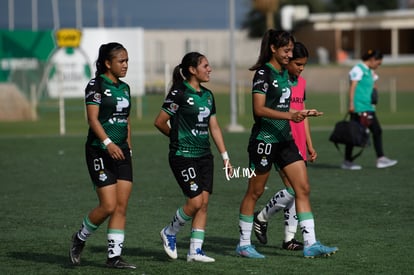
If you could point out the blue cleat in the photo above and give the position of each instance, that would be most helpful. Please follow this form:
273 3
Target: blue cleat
318 250
248 251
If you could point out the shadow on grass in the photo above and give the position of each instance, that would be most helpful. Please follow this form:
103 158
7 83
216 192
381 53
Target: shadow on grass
50 258
320 165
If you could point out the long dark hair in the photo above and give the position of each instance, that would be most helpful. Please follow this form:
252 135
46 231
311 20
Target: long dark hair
181 72
299 51
271 37
376 54
106 52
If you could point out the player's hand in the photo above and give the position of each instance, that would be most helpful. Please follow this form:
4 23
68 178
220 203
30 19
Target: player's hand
115 152
228 167
311 112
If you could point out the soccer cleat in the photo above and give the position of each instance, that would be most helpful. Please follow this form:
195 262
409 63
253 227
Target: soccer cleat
318 250
199 256
349 165
384 162
76 248
118 262
260 229
248 251
169 244
293 244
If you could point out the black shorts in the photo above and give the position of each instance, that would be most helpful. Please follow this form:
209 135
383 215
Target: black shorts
193 175
262 155
104 170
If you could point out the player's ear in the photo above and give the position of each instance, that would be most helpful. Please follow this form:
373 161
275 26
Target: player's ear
107 64
192 70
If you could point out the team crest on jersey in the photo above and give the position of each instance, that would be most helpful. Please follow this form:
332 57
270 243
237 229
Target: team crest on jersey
193 186
264 161
97 97
102 176
174 107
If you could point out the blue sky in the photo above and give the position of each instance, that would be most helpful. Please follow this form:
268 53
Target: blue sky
149 14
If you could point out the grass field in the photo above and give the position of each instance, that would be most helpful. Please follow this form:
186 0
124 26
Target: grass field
46 192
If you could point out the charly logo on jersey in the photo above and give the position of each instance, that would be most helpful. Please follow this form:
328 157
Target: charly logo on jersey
190 101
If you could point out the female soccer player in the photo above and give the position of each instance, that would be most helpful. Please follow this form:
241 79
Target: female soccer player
190 108
108 153
271 143
285 198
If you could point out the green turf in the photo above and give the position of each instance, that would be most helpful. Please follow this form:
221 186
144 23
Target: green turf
46 192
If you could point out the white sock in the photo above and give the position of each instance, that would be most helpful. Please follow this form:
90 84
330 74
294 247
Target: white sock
291 222
307 226
196 240
115 242
86 229
245 228
278 202
178 221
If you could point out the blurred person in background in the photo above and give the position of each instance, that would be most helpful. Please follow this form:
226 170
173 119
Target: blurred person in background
362 106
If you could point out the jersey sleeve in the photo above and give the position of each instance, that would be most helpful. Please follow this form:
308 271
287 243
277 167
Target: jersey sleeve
356 74
172 102
260 83
92 93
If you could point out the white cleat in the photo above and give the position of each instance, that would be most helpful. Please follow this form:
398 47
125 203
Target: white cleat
169 244
199 256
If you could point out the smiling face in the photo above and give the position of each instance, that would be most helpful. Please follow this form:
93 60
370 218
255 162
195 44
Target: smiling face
281 56
118 65
296 66
201 73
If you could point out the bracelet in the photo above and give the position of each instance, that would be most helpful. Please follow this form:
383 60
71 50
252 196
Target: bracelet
225 155
107 141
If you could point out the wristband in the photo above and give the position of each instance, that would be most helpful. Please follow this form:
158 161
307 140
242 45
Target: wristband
107 141
225 155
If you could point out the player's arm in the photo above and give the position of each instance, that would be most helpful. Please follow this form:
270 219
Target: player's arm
92 112
260 110
351 95
217 135
129 136
161 123
309 145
